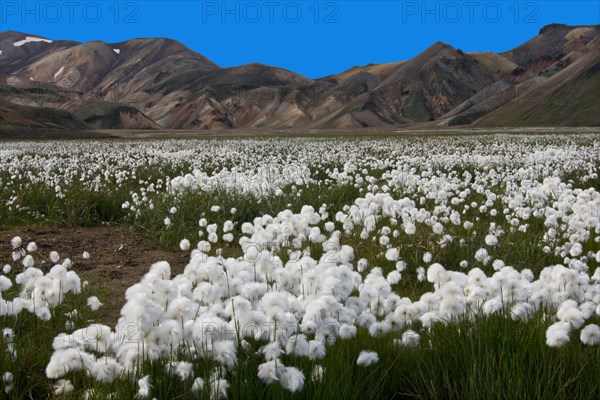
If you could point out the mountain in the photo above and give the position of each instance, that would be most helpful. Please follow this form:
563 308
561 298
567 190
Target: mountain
146 83
570 95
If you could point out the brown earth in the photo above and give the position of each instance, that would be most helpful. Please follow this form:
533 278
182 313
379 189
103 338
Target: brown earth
118 259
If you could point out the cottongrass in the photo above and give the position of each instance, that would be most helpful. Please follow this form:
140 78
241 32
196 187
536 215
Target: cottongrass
590 335
361 265
367 358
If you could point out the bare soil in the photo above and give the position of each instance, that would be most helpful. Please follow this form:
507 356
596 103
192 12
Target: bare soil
118 259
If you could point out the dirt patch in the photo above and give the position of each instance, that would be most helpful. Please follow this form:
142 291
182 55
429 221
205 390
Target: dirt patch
118 259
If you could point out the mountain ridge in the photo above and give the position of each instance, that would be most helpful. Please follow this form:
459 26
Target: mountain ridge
159 83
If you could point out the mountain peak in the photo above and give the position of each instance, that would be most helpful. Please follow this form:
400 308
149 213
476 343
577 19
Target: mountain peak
440 46
436 48
6 35
552 27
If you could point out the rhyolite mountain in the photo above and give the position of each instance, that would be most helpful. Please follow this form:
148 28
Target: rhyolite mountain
553 79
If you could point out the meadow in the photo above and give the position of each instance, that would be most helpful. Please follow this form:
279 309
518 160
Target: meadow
425 267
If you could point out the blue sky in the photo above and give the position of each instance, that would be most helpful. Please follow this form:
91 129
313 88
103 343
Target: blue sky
313 38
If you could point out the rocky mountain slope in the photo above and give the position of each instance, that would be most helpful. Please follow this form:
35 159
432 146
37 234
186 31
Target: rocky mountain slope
553 79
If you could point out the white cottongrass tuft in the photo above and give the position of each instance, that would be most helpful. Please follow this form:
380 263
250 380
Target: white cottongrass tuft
143 387
198 385
224 352
437 228
367 358
590 335
410 338
362 265
62 387
392 254
93 303
491 240
394 277
557 334
16 242
218 388
181 369
7 378
28 261
292 379
269 371
316 350
427 257
54 256
317 373
576 250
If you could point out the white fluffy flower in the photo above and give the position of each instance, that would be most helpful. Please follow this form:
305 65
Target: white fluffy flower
143 387
184 245
93 303
224 352
316 350
28 261
7 377
491 240
269 371
54 256
198 385
367 358
410 338
63 386
482 256
438 228
16 242
218 388
394 277
576 250
590 335
392 254
362 265
427 257
182 369
317 373
557 335
292 379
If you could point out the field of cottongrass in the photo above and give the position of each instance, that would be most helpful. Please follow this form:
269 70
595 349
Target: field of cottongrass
448 267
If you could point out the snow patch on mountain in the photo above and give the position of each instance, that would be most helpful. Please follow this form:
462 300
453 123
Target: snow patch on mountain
31 39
